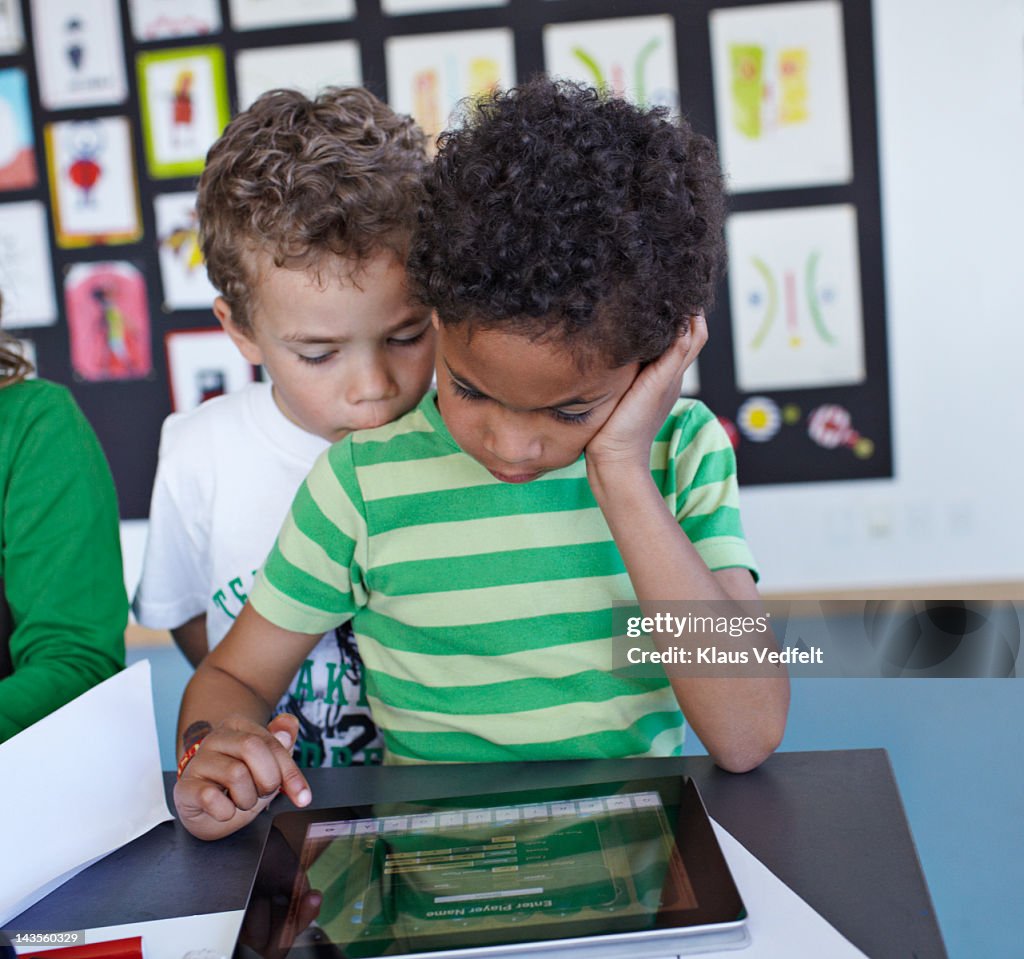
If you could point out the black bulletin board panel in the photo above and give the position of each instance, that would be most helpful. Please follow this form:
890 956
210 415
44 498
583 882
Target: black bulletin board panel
127 414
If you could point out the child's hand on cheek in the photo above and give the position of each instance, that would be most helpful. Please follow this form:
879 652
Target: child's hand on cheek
626 437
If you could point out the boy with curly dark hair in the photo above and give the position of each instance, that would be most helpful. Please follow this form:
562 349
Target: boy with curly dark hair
569 245
306 208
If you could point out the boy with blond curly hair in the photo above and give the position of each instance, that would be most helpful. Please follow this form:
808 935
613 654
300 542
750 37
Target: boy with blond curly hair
305 212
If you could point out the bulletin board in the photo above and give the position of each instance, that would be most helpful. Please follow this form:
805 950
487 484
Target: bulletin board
107 108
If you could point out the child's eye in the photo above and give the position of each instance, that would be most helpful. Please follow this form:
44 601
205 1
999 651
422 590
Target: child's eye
563 417
410 340
464 392
322 358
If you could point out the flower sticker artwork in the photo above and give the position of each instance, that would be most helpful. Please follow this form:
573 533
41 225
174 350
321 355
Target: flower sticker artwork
794 291
183 92
831 427
759 419
108 319
17 144
781 96
93 186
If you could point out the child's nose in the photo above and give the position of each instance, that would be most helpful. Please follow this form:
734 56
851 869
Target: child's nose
369 382
512 439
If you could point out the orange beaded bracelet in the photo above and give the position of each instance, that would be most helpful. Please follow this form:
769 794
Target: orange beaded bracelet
186 757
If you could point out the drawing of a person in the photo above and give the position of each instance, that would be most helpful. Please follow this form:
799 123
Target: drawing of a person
113 329
182 107
85 170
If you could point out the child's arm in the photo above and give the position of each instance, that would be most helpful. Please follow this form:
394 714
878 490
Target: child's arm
739 720
191 639
243 762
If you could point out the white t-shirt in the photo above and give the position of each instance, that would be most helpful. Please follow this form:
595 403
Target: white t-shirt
226 477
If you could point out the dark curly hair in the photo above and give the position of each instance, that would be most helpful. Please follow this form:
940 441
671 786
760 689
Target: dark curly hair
560 213
301 180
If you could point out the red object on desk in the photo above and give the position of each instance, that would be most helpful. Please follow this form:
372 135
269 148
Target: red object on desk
115 949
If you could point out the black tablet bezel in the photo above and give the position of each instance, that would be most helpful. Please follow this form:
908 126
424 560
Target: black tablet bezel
718 900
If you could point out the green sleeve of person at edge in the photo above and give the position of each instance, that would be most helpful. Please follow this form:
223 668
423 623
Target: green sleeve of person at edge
60 555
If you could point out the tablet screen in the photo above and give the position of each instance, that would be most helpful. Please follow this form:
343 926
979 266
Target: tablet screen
416 877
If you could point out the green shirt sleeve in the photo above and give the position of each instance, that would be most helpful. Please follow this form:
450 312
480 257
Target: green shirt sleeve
702 467
313 578
60 555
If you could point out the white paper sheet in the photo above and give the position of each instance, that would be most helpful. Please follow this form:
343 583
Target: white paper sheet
782 925
80 783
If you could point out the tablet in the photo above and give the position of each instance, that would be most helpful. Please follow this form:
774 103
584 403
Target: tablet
626 869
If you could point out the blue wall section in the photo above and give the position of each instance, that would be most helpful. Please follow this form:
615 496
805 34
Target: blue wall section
957 748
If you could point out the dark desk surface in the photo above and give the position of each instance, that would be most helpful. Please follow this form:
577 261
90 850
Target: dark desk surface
829 824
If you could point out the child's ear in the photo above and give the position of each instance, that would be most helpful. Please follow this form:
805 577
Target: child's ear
239 337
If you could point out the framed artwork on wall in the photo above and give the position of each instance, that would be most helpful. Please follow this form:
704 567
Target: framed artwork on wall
202 364
168 19
780 95
26 274
93 187
79 54
108 320
17 142
183 96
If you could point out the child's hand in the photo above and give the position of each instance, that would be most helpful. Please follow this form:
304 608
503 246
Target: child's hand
626 437
240 767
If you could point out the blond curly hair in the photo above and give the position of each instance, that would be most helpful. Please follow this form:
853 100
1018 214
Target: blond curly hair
302 181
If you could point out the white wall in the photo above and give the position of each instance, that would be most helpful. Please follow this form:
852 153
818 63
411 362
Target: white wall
951 112
950 80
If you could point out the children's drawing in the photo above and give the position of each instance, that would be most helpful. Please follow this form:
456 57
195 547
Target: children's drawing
781 96
166 19
184 107
92 182
202 364
308 67
108 319
17 153
182 268
79 55
428 75
12 37
258 14
26 277
398 7
831 427
794 286
633 57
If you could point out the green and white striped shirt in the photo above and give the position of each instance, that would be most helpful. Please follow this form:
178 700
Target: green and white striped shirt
482 609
